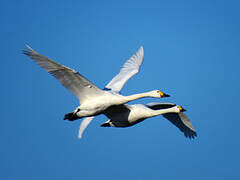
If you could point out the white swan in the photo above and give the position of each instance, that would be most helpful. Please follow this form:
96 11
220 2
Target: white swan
129 69
128 115
92 99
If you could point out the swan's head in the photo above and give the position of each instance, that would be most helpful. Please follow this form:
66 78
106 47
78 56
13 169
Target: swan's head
180 109
158 94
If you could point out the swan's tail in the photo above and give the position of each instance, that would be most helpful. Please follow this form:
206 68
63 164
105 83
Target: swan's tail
71 116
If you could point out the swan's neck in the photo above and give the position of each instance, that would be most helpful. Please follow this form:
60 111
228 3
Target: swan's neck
163 111
136 96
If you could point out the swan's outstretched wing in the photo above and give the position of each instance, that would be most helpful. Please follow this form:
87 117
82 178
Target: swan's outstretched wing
159 106
69 78
178 119
182 122
84 125
129 69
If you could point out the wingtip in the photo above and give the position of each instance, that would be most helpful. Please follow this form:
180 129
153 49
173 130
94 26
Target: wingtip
28 50
79 136
193 135
29 47
140 51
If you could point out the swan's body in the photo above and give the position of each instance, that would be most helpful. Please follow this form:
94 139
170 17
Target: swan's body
97 105
93 100
129 115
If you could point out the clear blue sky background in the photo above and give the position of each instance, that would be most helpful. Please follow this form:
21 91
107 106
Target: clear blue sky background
191 52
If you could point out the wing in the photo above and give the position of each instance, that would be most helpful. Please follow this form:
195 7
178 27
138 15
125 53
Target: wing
69 78
116 110
129 69
182 122
178 119
84 125
159 106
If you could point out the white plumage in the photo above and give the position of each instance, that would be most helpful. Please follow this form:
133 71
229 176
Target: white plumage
129 69
129 115
93 100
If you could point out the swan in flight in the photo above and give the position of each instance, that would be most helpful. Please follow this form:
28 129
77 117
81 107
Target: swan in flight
93 100
129 69
129 115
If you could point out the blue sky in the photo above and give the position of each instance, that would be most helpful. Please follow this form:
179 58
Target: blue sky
191 52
